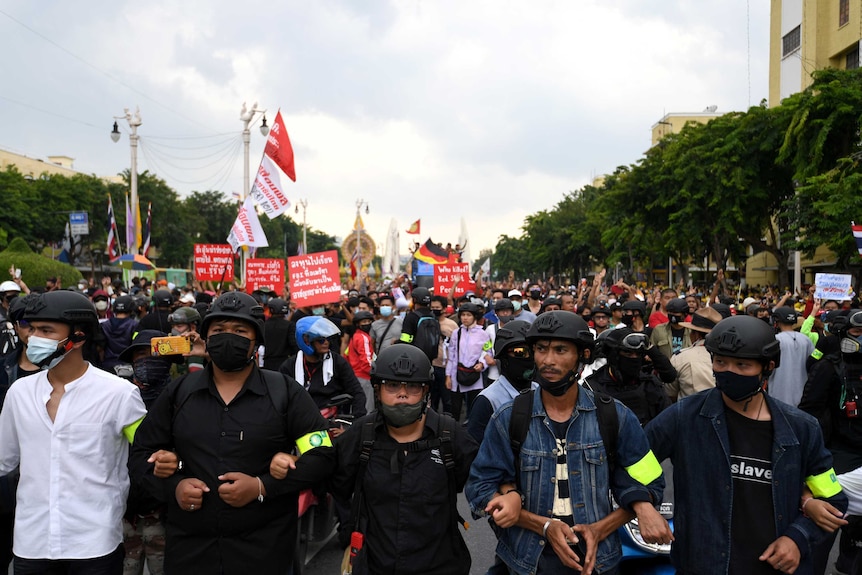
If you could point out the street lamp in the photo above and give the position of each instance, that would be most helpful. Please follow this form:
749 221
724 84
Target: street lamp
247 116
304 204
134 121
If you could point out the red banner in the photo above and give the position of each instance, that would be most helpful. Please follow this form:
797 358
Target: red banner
444 277
314 278
261 272
211 261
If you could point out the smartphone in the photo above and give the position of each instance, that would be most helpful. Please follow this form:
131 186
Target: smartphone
170 345
17 273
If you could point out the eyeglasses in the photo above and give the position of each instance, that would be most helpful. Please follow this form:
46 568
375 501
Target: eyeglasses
411 387
519 352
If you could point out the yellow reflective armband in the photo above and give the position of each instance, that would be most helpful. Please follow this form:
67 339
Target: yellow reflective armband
129 430
488 345
645 471
406 338
823 485
312 440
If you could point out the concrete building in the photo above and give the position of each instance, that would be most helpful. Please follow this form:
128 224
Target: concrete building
808 35
673 123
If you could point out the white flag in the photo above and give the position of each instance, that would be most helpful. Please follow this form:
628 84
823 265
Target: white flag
486 267
267 190
246 230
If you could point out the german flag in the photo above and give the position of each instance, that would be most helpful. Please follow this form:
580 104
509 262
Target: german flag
431 253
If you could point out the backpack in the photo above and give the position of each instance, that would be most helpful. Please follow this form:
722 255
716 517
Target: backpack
427 336
519 424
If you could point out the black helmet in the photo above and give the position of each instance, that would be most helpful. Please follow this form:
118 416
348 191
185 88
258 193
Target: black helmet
235 305
184 315
635 305
278 306
785 314
470 308
421 296
143 339
124 304
402 362
746 337
504 303
560 324
677 305
514 333
64 306
624 339
19 304
362 315
163 298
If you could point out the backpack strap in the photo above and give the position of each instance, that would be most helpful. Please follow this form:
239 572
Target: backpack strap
367 442
519 423
276 387
445 431
609 427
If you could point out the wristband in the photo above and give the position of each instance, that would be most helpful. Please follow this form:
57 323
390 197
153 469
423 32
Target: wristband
804 503
545 527
259 490
521 495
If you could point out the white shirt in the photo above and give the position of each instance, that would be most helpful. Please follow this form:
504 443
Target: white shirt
74 479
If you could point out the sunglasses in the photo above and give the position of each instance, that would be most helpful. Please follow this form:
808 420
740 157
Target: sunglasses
320 340
411 387
519 352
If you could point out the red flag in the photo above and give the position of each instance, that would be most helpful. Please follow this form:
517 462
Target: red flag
113 248
148 230
278 147
414 227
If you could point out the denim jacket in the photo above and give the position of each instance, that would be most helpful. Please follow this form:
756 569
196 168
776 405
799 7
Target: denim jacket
693 433
588 469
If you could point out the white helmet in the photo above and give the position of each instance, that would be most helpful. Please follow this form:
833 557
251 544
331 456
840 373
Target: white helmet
9 285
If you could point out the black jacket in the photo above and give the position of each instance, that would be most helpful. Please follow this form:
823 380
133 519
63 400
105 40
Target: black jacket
646 397
343 381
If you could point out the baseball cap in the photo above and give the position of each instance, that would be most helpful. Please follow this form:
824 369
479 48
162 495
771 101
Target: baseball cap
515 293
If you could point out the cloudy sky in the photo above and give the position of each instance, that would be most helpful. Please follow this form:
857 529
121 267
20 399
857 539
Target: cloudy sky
482 110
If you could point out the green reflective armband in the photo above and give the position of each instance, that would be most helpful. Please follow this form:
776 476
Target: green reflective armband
129 430
646 470
406 338
824 485
488 345
817 354
312 440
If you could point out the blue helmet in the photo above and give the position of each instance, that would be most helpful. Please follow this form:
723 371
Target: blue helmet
313 327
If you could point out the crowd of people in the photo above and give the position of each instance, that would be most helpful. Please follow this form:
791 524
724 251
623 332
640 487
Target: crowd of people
551 406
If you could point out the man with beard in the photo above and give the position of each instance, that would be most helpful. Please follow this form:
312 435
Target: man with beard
515 359
562 475
623 377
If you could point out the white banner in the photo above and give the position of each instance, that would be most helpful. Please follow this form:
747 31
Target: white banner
246 230
267 190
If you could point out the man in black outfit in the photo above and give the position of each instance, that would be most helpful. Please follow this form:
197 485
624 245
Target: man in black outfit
280 335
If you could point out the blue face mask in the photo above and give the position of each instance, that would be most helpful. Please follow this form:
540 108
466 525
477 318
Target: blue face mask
517 305
385 310
39 349
318 310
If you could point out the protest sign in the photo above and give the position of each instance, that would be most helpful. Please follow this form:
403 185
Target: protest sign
262 272
314 278
444 277
833 286
211 261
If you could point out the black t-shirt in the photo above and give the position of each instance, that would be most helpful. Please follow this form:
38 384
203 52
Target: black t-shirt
752 526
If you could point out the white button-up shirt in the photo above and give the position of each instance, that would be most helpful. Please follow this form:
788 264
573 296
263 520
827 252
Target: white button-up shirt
74 479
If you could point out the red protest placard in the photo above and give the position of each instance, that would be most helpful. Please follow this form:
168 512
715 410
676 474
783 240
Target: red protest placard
444 277
262 272
211 261
314 278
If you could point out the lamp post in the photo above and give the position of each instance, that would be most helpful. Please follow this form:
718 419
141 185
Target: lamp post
247 115
134 120
304 204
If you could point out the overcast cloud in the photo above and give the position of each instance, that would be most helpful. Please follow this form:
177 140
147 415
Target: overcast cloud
486 110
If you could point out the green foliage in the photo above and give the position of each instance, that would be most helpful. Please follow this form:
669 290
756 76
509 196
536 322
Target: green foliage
36 268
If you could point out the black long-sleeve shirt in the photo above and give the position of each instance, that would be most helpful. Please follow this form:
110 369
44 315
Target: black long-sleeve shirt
343 381
212 438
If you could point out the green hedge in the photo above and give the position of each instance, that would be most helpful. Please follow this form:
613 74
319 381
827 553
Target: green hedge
35 268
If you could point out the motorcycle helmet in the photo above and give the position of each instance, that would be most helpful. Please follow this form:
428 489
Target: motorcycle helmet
235 305
313 327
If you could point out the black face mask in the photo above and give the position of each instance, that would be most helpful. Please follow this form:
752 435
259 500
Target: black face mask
365 328
628 320
151 374
629 368
738 387
674 320
558 388
229 351
437 312
519 371
535 294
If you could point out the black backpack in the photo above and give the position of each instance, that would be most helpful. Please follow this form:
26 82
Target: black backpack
519 424
427 336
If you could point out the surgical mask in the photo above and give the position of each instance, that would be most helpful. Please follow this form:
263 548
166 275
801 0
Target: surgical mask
318 310
229 351
737 387
101 305
437 312
403 413
151 375
44 352
519 371
385 310
558 388
517 305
